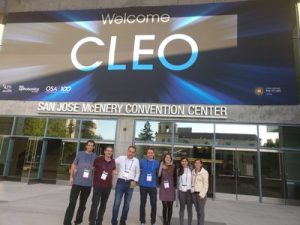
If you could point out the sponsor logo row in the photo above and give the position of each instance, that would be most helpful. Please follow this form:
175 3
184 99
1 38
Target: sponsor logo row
7 88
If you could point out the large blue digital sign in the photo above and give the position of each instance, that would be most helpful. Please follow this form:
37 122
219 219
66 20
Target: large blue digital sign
217 53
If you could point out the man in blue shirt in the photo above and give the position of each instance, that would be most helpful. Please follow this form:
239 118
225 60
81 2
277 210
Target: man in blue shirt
81 178
148 183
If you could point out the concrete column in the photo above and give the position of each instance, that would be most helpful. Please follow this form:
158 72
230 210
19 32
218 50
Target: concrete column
8 157
124 136
42 160
1 27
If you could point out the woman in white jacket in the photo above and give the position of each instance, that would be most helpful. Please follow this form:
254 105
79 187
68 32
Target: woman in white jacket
199 190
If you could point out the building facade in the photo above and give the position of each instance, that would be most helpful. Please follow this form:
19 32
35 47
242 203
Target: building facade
252 152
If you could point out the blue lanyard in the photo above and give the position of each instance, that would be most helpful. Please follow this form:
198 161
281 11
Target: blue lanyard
151 167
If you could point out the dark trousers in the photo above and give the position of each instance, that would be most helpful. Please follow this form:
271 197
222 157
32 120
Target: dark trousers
199 206
152 191
122 188
185 199
167 212
100 195
84 194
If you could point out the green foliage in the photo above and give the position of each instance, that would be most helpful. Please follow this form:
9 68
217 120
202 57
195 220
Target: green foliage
34 126
88 130
57 128
146 133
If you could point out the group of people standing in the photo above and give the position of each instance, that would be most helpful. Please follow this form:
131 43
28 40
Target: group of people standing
89 171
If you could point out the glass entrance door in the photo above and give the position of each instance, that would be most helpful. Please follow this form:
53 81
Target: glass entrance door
17 158
236 174
273 176
52 160
32 159
292 181
59 157
68 150
280 177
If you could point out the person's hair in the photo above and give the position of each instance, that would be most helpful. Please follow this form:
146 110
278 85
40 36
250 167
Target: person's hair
132 146
170 168
150 148
165 155
90 141
108 146
181 169
198 160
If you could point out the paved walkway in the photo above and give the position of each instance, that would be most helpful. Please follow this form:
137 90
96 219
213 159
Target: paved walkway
42 204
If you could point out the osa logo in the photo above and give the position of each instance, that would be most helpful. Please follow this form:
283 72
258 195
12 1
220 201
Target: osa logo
51 89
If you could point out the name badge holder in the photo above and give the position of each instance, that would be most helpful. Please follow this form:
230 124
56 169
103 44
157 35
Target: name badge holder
149 177
126 175
104 175
166 184
86 173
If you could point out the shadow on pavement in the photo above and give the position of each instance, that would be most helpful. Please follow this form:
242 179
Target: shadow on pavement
175 221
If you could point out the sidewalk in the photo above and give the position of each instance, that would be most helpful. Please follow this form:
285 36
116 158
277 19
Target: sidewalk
43 204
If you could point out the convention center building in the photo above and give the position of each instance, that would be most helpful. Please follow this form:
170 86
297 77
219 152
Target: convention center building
217 80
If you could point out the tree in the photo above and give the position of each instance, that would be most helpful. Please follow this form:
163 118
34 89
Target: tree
146 133
57 128
271 144
34 126
89 129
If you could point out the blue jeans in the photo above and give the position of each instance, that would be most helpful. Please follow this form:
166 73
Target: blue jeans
122 188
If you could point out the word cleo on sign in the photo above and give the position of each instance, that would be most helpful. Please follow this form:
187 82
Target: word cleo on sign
137 52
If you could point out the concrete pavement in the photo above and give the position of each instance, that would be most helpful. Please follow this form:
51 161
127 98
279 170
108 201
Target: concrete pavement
44 204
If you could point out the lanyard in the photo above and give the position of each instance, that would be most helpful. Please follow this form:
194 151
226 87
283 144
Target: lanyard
126 164
148 166
90 157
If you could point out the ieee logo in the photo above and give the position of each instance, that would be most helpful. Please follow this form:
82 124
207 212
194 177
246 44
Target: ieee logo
6 88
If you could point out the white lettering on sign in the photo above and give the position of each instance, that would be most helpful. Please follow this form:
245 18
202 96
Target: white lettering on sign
131 18
137 51
134 109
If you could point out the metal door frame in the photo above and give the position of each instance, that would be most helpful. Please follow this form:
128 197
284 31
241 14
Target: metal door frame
35 141
235 195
